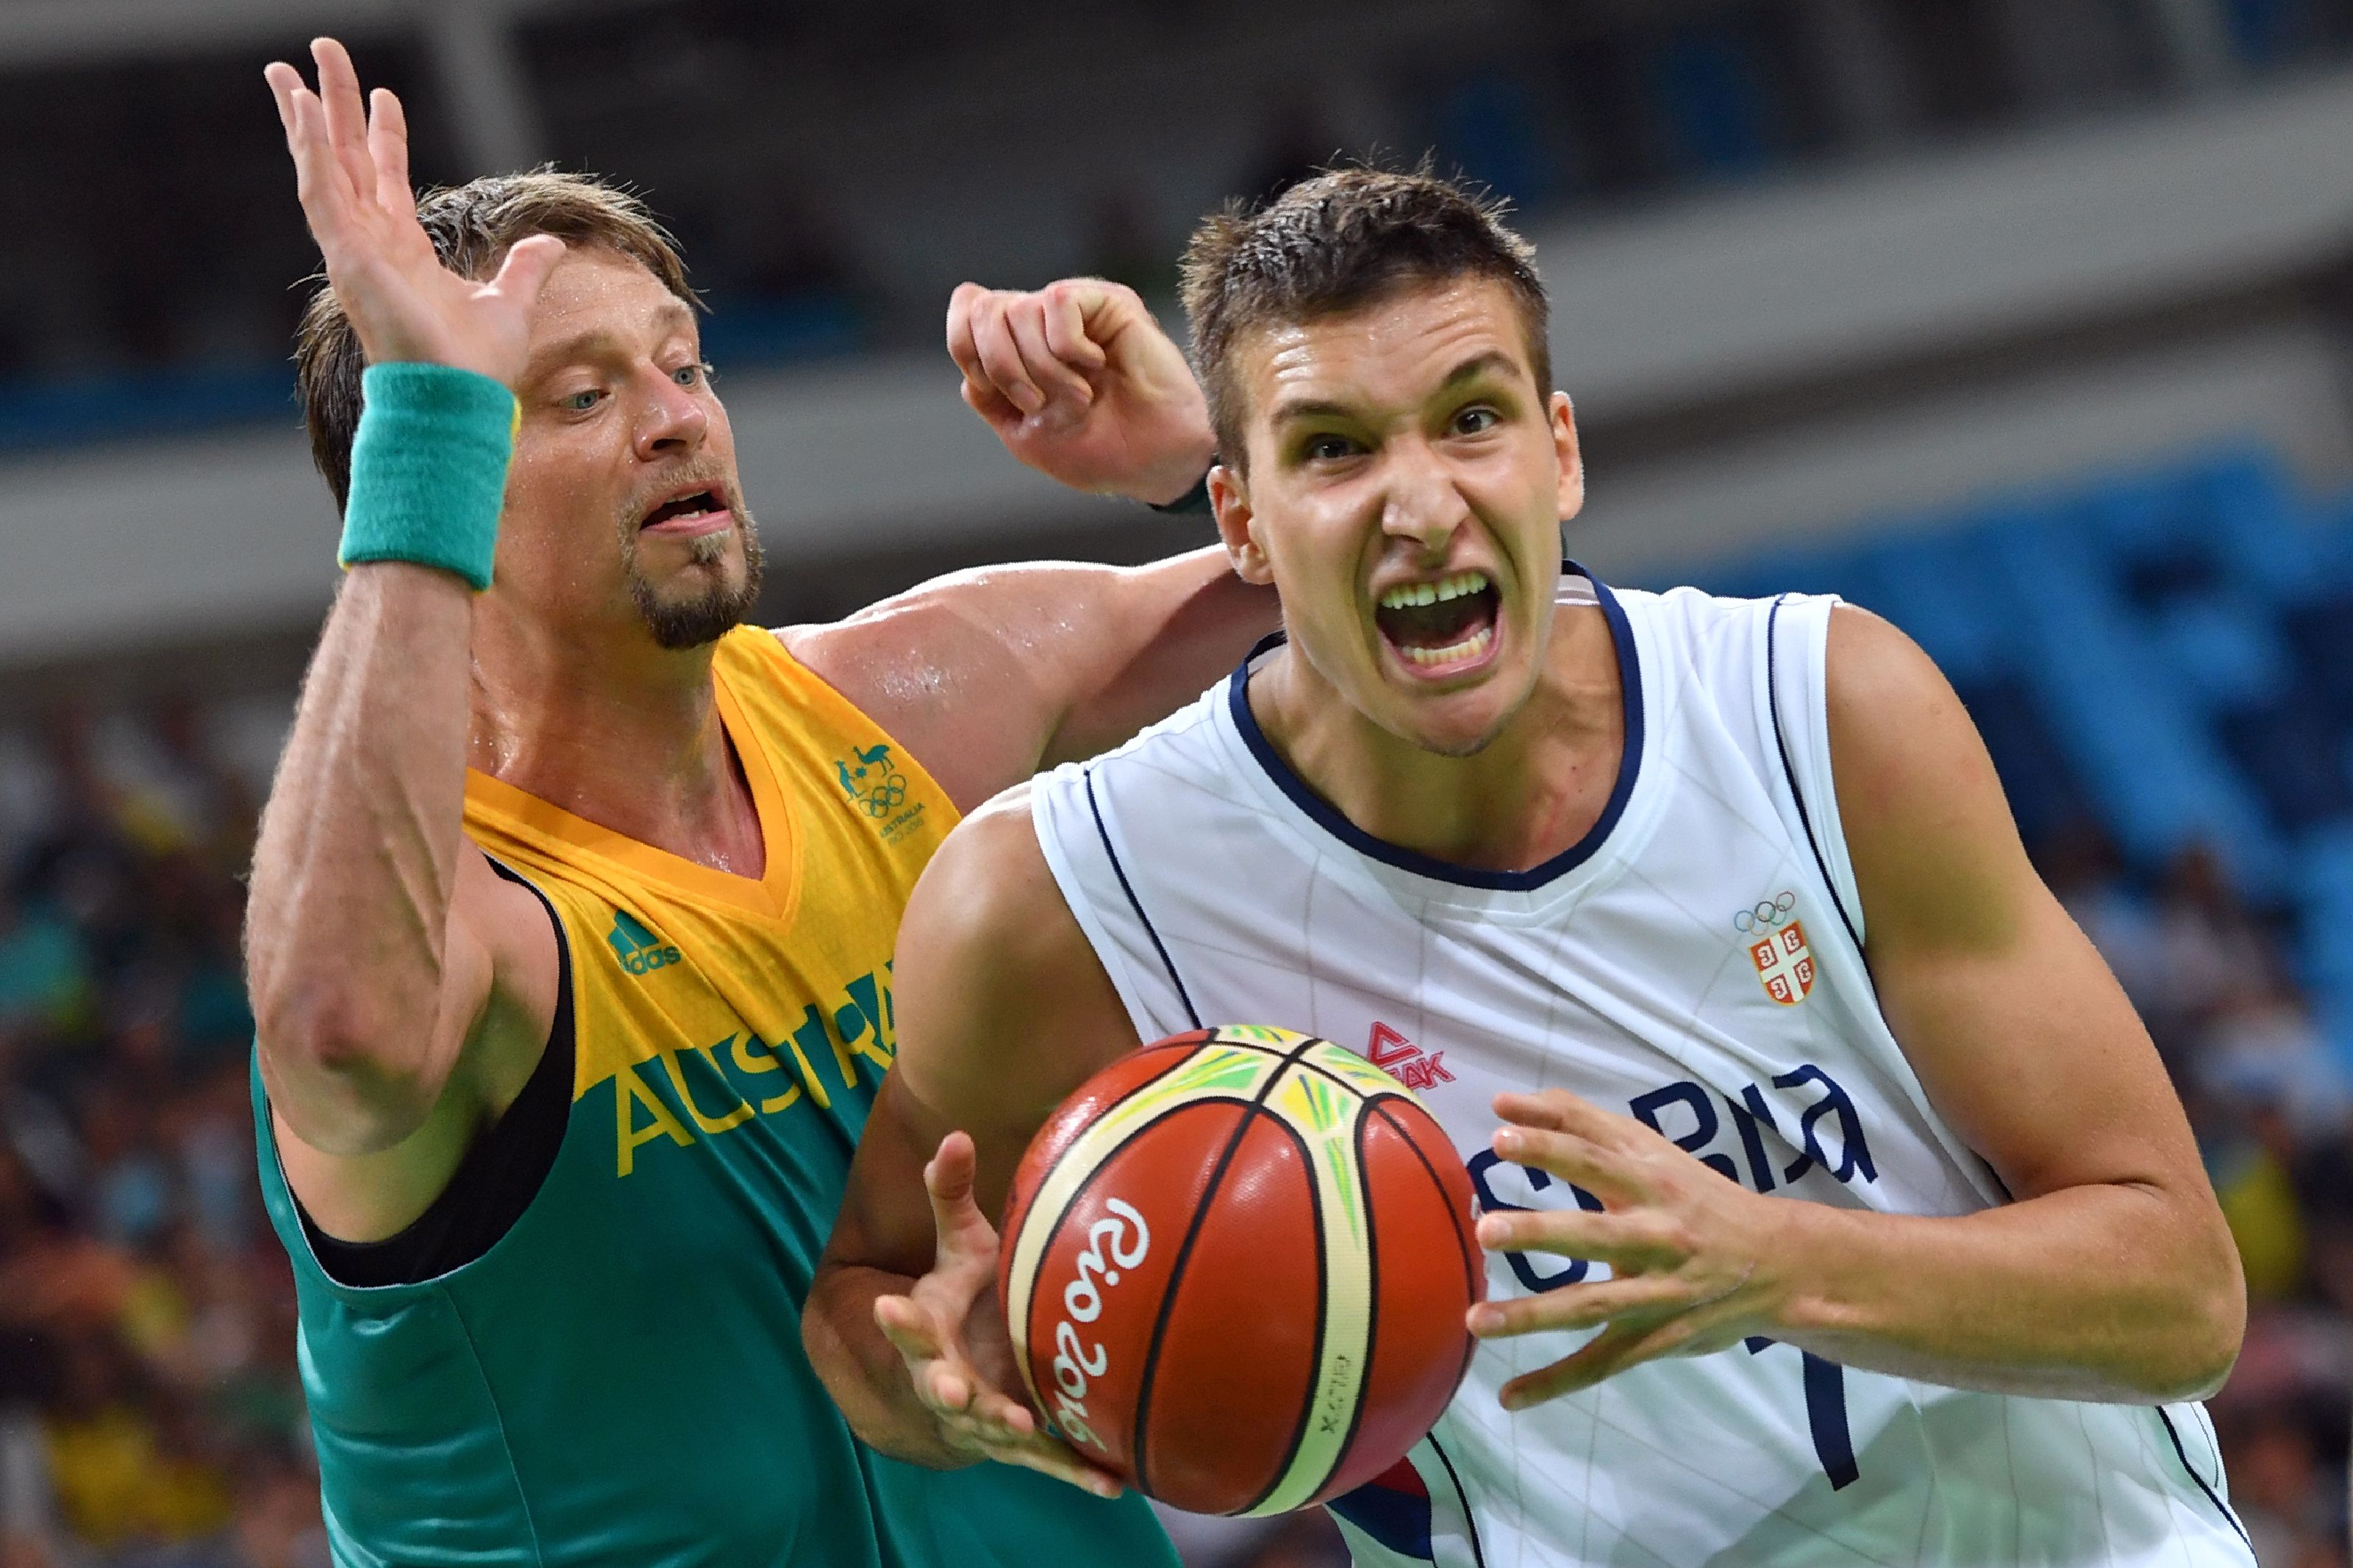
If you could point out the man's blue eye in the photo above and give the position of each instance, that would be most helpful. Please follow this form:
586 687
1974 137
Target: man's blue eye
582 402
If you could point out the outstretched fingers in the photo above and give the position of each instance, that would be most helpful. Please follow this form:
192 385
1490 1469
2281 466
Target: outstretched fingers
1614 1349
317 178
1048 1456
937 1374
1558 1111
284 82
1580 1306
909 1328
1569 1155
965 1234
345 116
388 139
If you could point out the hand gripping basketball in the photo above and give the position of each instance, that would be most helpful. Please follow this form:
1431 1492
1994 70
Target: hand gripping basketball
948 1323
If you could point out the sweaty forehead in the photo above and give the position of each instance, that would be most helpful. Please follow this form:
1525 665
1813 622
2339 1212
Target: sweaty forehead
596 292
1399 348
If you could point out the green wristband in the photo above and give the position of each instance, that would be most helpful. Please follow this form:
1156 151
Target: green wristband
429 468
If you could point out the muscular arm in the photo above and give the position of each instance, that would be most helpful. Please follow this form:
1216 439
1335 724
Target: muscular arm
1003 1010
2111 1276
400 989
376 936
990 675
987 676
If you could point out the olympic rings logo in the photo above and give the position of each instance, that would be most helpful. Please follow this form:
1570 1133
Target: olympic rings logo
1766 915
886 796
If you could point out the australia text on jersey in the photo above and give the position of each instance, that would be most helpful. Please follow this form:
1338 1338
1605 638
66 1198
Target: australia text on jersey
719 1087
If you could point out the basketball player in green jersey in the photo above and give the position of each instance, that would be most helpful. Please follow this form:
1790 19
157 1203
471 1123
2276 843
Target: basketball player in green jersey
571 913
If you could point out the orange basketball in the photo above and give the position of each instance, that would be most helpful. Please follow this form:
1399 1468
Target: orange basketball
1235 1265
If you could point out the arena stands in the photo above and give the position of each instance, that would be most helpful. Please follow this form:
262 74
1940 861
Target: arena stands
2155 658
2152 656
2019 322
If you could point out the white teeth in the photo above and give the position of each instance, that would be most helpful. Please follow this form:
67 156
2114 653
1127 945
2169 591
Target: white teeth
1452 588
1470 647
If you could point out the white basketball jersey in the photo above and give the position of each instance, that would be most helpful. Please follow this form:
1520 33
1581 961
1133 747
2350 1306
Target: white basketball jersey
1696 961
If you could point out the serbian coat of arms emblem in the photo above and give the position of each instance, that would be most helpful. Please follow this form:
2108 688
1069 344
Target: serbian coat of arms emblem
1777 946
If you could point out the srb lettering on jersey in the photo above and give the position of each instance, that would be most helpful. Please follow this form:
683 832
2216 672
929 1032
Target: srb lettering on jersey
1824 1133
1405 1061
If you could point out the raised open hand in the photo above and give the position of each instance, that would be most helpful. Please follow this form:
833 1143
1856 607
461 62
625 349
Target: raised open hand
351 167
1081 384
947 1326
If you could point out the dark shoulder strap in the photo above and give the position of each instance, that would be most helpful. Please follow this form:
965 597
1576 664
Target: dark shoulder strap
1790 768
502 1172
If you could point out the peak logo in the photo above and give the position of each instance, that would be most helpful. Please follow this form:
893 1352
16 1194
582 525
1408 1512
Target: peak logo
639 951
1405 1061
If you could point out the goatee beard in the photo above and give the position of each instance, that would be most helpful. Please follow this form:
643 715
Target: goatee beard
681 624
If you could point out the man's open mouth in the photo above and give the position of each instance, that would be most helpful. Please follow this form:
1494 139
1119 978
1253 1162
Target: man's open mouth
685 511
1440 625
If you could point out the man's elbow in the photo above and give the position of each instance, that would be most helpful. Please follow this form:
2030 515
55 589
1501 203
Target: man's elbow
332 1077
2208 1323
2216 1329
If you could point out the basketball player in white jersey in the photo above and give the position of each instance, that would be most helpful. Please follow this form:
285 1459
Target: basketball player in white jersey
1841 1211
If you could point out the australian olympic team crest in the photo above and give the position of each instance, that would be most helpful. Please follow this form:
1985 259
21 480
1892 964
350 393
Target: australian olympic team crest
874 784
1777 946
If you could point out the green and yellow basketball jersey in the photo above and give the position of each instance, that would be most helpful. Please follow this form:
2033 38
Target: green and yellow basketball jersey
618 1379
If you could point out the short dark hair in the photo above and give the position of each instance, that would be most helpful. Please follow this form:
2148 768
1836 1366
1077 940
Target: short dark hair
1331 244
472 228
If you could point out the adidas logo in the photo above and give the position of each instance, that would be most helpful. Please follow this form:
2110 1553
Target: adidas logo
640 950
1403 1061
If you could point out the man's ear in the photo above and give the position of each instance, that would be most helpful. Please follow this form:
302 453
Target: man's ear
1572 456
1237 525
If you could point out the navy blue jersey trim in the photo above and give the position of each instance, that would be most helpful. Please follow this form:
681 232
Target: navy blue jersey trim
1397 1521
1329 818
2211 1495
1469 1524
1136 904
1789 770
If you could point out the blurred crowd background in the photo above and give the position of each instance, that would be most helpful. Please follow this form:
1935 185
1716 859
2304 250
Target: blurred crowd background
2022 321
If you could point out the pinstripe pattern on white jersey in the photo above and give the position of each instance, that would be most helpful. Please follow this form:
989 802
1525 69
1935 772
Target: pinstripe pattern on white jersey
1216 888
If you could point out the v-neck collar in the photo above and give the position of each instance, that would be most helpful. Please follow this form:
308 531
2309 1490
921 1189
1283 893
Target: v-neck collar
1332 821
772 895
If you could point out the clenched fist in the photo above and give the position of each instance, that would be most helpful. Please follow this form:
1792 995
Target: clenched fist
1081 384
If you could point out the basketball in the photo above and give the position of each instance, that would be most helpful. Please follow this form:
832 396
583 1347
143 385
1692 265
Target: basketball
1235 1266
